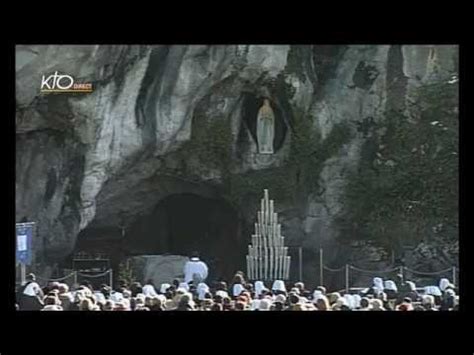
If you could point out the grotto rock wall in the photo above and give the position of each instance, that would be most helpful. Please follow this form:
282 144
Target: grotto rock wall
170 119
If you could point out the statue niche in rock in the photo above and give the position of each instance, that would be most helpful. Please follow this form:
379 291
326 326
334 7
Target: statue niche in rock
265 128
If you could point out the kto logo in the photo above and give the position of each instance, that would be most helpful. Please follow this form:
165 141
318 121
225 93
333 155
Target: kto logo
62 83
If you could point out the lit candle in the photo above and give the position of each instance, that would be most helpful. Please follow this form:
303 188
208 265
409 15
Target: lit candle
266 264
248 265
271 263
288 258
271 212
275 237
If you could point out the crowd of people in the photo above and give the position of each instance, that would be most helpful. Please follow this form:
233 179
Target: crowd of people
239 295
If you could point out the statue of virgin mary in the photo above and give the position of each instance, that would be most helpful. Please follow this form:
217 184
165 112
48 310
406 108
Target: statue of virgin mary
265 128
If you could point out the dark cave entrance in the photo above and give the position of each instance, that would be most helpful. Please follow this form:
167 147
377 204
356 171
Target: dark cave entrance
182 223
177 225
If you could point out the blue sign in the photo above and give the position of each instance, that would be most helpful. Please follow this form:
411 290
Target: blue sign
24 239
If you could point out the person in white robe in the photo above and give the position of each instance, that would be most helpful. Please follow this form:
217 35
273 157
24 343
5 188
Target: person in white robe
195 270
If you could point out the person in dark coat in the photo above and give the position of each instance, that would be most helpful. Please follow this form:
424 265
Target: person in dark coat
31 295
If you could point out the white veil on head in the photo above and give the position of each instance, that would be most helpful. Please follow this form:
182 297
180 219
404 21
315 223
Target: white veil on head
164 287
390 285
411 285
202 289
259 287
443 283
433 290
378 284
237 289
279 285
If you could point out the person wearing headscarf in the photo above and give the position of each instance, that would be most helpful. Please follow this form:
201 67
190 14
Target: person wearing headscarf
322 289
195 270
390 288
237 289
30 295
164 287
237 285
202 290
280 298
412 293
279 286
259 286
222 294
377 285
300 287
149 289
443 284
317 294
296 290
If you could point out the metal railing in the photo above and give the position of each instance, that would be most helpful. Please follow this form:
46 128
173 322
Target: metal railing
75 275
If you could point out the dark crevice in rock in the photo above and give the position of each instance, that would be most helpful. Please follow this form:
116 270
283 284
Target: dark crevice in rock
50 185
364 75
145 112
396 80
325 61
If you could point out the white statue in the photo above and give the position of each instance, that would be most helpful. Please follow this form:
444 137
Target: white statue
265 128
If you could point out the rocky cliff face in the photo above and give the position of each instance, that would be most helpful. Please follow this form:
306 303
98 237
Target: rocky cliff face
166 120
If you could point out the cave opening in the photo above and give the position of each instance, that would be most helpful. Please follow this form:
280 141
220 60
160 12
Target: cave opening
178 225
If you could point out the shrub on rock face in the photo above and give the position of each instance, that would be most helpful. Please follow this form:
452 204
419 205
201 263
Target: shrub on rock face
407 182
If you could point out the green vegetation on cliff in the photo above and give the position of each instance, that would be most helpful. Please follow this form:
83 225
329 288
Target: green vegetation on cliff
406 187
